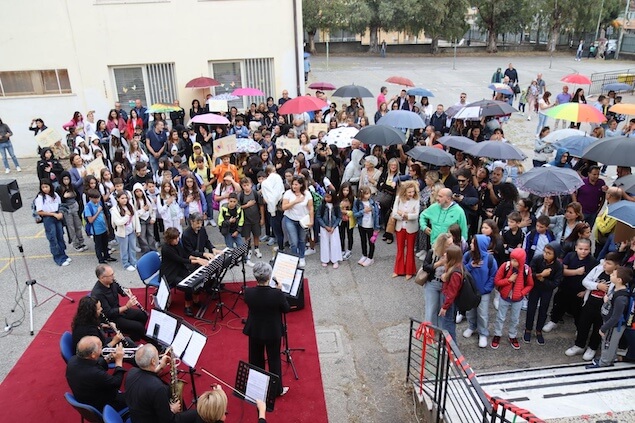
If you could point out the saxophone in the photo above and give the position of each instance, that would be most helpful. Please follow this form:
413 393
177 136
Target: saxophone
176 384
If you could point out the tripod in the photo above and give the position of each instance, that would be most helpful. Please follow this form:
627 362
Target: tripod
31 282
287 351
220 305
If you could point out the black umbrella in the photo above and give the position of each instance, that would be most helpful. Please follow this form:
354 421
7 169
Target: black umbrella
617 151
496 150
431 155
485 108
458 142
352 91
547 181
380 135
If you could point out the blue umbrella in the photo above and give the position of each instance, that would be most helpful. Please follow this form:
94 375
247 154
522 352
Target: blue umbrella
576 144
420 91
617 86
496 150
623 211
402 119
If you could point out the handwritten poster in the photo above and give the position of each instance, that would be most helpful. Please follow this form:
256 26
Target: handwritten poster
95 167
291 144
217 105
48 137
224 146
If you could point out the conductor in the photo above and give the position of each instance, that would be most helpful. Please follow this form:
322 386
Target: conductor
264 321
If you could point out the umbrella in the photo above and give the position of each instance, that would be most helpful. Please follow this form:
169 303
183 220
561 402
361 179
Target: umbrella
556 136
617 86
623 108
458 142
576 78
495 150
575 112
353 91
627 183
402 119
617 151
380 135
484 108
547 181
420 91
453 110
431 155
341 137
501 88
210 119
576 144
248 91
623 211
400 80
225 96
162 108
304 103
202 82
322 86
247 145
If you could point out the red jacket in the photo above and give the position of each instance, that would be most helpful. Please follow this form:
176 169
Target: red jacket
450 289
520 286
130 127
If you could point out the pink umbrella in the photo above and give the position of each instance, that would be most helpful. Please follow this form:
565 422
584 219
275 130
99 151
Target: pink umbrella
202 82
326 86
210 119
302 104
247 91
576 78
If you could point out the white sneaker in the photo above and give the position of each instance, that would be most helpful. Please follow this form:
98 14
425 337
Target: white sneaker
137 249
19 169
467 333
250 263
549 326
7 170
66 263
302 263
249 256
131 268
574 350
309 251
459 318
347 255
528 117
368 262
362 260
69 259
212 222
589 354
258 253
482 341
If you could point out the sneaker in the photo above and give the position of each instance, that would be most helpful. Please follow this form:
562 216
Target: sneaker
540 339
589 354
467 333
188 311
19 169
249 256
302 263
549 326
250 263
368 262
459 318
347 254
79 248
336 265
212 222
574 350
68 259
495 342
112 242
514 342
482 341
527 336
137 249
309 251
263 238
271 242
112 250
275 248
110 259
66 263
131 268
361 260
285 389
258 253
7 170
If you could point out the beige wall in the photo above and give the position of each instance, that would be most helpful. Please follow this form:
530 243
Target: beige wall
87 38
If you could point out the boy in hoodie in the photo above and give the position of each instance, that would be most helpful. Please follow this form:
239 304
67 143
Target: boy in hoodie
197 151
514 281
482 266
48 167
590 320
547 271
562 158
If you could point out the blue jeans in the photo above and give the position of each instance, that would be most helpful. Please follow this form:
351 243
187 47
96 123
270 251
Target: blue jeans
230 240
8 147
55 235
448 322
297 236
127 250
478 318
503 306
542 121
432 298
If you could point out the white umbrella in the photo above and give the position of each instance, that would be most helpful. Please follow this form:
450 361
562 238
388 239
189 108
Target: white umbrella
341 137
556 136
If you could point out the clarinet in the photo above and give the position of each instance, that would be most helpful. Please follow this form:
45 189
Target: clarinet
137 303
124 340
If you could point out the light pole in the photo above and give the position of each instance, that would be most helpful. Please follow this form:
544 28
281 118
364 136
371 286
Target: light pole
619 42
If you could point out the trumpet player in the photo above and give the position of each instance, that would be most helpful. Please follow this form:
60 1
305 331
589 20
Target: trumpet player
88 376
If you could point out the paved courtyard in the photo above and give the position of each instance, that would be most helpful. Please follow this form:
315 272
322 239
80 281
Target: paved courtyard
361 314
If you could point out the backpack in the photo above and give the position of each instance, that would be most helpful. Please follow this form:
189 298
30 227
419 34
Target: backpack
36 217
317 199
628 318
468 297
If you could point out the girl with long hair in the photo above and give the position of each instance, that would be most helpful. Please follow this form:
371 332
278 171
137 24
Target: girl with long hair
366 212
127 228
329 217
47 205
452 279
192 199
168 207
147 217
434 264
70 208
136 154
347 199
134 122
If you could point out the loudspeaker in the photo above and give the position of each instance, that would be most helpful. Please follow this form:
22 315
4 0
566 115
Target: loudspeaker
10 199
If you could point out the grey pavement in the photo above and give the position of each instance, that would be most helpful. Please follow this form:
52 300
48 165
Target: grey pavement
361 314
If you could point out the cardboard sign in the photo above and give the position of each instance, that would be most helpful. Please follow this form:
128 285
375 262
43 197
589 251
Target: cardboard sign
224 146
217 105
291 144
94 168
315 128
48 137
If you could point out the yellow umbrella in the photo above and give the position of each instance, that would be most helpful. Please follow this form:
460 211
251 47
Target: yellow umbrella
623 108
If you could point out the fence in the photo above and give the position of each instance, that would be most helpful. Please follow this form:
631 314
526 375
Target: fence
442 378
598 80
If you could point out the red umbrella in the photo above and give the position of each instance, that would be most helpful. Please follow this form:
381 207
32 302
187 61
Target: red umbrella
400 80
576 78
202 82
323 86
302 104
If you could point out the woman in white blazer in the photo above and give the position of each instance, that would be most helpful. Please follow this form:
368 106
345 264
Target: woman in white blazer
405 211
127 228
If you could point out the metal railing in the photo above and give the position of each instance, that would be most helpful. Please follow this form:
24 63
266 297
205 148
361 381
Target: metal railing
598 80
442 378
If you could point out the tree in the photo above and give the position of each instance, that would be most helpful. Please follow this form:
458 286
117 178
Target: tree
316 16
495 15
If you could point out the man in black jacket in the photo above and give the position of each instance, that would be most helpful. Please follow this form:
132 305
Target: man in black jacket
466 196
90 382
195 239
264 322
439 120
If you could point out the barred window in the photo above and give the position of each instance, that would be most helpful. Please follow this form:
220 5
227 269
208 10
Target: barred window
152 83
35 82
253 73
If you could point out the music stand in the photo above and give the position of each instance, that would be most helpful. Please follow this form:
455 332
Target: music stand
239 256
254 383
295 288
188 345
162 327
221 309
162 297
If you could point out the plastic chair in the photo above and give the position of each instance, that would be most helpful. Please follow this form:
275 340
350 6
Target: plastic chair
88 412
66 346
149 269
112 416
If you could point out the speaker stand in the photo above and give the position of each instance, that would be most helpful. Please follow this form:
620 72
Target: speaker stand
30 283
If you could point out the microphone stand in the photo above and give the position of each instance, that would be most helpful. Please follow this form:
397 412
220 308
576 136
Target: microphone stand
287 350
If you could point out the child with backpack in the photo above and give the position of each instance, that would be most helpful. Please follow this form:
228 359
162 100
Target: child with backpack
97 226
514 281
230 221
452 280
328 218
204 172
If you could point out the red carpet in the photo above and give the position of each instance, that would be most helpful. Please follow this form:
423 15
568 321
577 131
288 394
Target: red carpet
34 389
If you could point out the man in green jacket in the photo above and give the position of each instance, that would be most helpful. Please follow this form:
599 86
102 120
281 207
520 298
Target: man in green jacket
437 218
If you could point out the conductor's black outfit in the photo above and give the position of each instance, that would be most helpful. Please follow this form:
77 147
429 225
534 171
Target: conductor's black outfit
131 322
264 326
92 384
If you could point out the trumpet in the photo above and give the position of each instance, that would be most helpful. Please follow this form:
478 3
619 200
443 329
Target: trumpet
137 303
109 352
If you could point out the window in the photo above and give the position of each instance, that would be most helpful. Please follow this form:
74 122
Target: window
254 73
42 82
152 83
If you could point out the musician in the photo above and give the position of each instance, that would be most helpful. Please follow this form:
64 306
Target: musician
147 395
174 265
89 379
195 240
87 322
212 406
128 318
264 321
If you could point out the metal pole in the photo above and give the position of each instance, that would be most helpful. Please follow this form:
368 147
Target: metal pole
327 53
597 28
619 42
454 59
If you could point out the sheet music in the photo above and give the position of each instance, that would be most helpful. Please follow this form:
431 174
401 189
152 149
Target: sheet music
167 326
194 349
181 340
163 295
284 269
296 283
257 386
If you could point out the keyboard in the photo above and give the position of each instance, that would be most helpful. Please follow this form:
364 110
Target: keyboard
198 277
